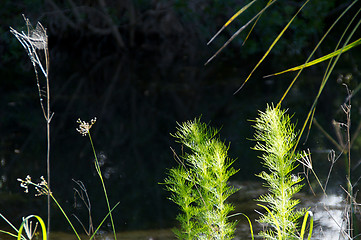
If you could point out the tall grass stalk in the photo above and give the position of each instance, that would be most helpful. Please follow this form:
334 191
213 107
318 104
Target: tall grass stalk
276 138
84 129
199 185
32 41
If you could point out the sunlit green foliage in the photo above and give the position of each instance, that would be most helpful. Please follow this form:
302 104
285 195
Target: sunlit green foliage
199 185
276 138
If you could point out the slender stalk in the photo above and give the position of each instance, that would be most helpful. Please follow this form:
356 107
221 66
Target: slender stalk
66 217
32 41
97 167
347 110
48 119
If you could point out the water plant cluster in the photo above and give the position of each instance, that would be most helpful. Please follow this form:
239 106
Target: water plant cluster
276 138
199 184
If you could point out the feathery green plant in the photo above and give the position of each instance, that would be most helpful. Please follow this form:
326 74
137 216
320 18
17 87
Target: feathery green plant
199 185
276 138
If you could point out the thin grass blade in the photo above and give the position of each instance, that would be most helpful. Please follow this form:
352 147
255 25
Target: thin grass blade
249 222
101 223
274 220
42 224
231 20
314 50
250 225
238 32
272 45
9 233
6 220
303 228
328 73
321 59
250 31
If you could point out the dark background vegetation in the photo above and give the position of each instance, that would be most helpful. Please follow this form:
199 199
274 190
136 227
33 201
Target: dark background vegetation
138 66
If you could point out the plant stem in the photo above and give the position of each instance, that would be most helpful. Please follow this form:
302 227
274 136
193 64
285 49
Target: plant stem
61 209
97 167
48 119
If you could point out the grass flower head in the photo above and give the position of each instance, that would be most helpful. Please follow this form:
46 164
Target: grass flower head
84 127
41 188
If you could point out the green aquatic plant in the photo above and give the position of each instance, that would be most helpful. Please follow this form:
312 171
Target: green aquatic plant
199 185
276 138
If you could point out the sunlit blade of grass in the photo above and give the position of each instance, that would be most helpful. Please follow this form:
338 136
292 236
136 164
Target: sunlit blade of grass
321 59
314 50
328 73
9 233
272 45
303 228
8 222
274 221
250 31
66 216
101 223
249 222
97 167
42 224
231 20
239 31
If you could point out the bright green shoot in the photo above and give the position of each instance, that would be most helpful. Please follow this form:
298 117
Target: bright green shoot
199 184
276 138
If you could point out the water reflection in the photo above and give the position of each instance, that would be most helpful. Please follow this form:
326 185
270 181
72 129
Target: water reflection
329 215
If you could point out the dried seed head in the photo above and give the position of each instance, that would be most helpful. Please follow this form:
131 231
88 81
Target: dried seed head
38 36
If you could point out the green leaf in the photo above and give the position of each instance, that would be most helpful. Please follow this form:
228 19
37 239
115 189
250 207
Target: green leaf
321 59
